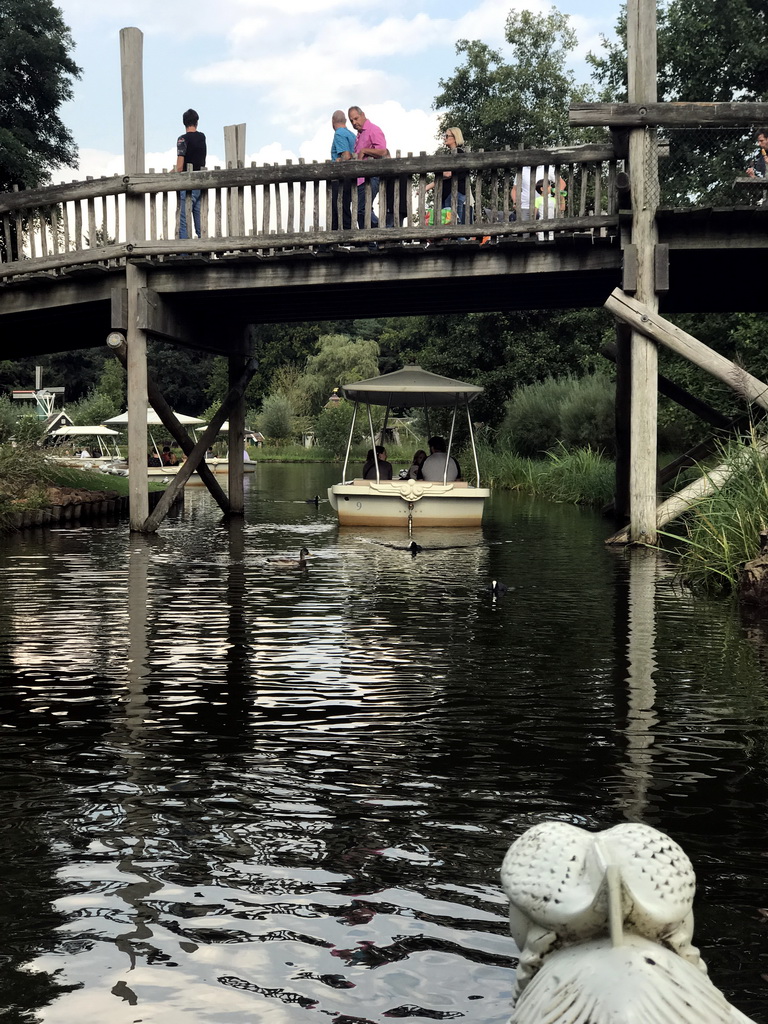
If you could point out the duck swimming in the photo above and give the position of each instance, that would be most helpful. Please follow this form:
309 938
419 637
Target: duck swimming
286 562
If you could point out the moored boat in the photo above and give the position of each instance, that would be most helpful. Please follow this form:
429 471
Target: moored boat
396 502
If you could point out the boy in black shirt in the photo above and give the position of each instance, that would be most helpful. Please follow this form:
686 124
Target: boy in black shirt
191 154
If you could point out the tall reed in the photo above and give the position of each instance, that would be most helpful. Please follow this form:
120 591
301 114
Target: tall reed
722 531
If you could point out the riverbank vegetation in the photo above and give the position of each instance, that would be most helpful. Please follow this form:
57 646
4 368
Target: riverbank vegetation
716 538
30 480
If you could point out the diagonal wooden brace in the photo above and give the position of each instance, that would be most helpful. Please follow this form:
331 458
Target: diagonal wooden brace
643 319
196 458
179 434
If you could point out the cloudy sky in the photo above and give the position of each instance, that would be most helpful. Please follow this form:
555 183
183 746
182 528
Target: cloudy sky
282 67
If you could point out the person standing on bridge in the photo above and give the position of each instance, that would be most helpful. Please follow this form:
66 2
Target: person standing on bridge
342 149
369 145
191 154
759 167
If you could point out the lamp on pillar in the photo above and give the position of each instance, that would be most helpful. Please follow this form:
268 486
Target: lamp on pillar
115 339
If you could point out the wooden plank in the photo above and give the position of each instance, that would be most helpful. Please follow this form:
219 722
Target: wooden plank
279 211
661 267
642 318
203 213
217 205
668 115
290 225
65 216
266 211
43 233
7 237
584 191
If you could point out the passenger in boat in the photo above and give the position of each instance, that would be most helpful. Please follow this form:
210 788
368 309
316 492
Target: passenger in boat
434 467
385 468
414 470
168 458
85 454
152 459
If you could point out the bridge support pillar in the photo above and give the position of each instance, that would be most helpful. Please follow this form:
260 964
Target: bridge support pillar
136 371
644 177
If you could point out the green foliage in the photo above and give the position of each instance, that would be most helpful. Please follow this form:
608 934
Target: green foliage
566 411
36 72
581 477
7 419
22 467
276 420
339 359
29 429
113 385
332 427
95 408
722 531
523 102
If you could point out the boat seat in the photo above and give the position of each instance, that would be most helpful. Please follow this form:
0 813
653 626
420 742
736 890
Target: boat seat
359 481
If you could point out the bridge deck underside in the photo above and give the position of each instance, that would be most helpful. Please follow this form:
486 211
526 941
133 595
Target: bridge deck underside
212 299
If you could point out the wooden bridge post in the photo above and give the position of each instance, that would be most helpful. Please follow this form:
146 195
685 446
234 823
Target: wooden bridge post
236 445
644 178
234 156
131 51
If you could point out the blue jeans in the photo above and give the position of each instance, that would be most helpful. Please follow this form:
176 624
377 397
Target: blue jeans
195 213
361 203
461 201
346 205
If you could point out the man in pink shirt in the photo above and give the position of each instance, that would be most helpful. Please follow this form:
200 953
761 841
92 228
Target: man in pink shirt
369 145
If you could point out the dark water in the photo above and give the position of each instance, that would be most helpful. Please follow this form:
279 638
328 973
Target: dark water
234 792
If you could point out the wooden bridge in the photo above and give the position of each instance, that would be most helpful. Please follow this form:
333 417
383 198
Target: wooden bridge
83 261
267 252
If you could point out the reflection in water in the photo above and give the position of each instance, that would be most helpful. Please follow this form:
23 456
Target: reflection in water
641 664
238 793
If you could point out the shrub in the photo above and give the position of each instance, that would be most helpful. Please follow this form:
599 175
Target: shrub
276 420
332 427
567 411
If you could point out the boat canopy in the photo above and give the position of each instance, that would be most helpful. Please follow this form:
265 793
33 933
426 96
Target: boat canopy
153 419
72 431
411 386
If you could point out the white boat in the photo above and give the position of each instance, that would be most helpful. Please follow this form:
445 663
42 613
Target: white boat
376 502
96 435
218 466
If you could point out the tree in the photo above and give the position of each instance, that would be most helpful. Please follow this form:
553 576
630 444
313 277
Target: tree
520 103
339 359
36 73
276 420
708 51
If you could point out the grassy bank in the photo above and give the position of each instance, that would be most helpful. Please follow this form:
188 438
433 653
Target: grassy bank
26 477
581 477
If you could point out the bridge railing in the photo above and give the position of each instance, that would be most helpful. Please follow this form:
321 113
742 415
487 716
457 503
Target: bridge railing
290 207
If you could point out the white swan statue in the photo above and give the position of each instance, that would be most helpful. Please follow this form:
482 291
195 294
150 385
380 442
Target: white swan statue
604 925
